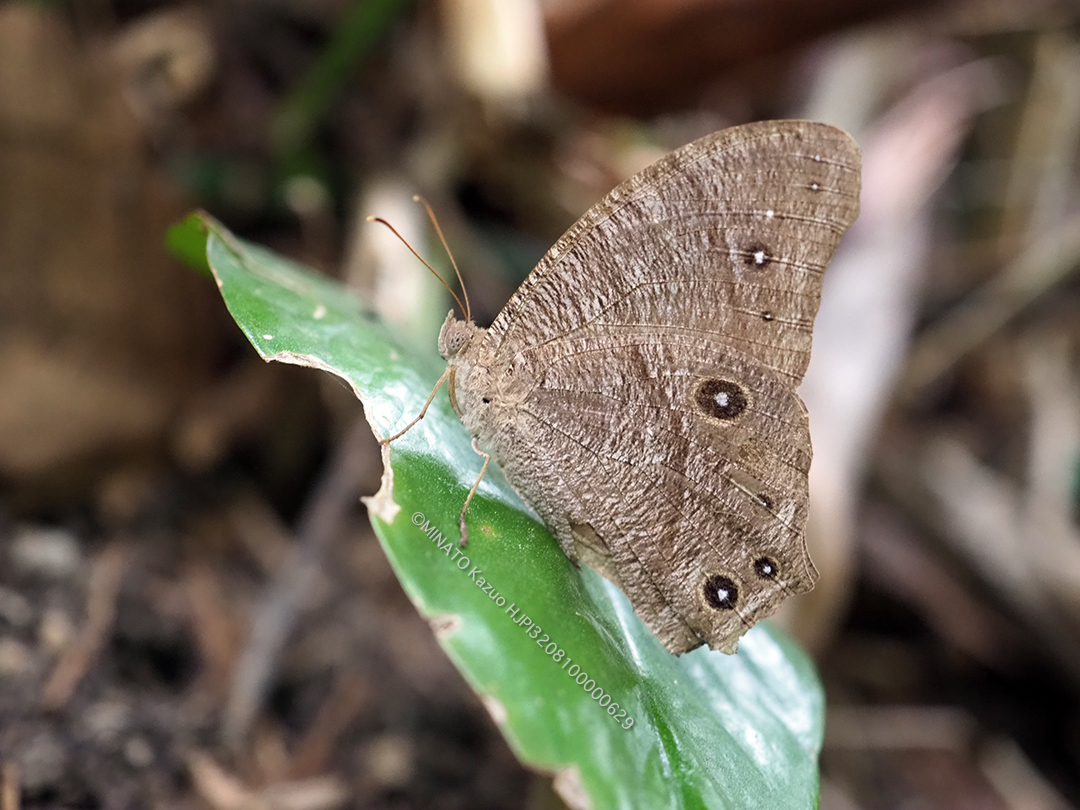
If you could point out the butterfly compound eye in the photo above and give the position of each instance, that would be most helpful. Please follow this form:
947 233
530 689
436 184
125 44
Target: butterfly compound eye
454 338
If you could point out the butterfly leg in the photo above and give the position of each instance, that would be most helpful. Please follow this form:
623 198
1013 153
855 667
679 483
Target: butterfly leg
479 478
423 410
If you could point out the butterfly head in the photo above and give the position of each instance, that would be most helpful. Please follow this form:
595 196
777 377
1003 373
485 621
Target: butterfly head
455 336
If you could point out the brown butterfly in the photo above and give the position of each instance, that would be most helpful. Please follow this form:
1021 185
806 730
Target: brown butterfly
638 390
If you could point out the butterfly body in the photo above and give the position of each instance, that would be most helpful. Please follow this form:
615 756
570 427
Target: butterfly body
638 391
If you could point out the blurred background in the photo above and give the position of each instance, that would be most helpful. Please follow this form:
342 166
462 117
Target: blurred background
193 609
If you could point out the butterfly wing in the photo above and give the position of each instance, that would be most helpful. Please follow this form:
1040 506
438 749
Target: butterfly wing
727 236
651 418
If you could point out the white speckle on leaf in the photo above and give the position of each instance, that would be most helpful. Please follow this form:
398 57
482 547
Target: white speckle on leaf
268 337
319 313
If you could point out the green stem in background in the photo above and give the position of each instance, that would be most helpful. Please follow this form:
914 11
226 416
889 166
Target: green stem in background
306 104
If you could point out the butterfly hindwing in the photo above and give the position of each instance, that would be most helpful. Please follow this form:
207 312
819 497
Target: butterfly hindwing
687 462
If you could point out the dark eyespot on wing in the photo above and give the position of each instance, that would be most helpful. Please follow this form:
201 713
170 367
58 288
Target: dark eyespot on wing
721 399
766 567
721 593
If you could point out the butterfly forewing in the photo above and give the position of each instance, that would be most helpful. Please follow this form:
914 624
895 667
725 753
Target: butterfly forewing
728 235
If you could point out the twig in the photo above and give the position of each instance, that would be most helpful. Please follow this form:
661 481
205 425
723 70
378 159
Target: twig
216 635
326 509
899 728
9 787
1046 264
225 791
982 517
218 788
106 576
349 696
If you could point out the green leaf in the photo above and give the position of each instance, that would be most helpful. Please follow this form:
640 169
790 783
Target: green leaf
186 241
530 632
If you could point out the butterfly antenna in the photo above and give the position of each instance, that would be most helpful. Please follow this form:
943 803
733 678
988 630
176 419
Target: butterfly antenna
438 230
405 242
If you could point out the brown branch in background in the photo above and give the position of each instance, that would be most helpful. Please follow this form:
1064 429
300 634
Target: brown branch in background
215 630
980 514
221 415
1045 265
312 753
223 790
896 562
259 530
9 786
218 788
1015 777
106 576
327 507
897 728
